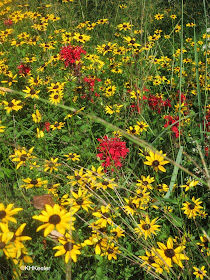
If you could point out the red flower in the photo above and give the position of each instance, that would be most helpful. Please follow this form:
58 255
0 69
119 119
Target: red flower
8 22
157 104
47 126
112 151
24 69
71 54
171 120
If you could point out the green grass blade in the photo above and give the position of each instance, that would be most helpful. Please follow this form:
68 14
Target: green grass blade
175 172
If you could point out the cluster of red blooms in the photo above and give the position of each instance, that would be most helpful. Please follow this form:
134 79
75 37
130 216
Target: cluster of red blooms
46 126
91 82
24 69
8 22
70 54
112 151
170 121
157 103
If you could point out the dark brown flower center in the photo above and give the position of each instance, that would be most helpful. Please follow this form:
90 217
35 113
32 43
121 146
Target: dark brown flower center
110 251
106 48
50 186
151 260
56 124
2 245
54 219
23 157
191 206
132 41
32 92
105 183
2 214
80 37
55 87
68 246
34 181
51 164
77 177
79 201
169 253
56 96
10 104
145 183
146 226
155 163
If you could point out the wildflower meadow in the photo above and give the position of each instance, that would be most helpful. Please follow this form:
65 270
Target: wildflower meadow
104 139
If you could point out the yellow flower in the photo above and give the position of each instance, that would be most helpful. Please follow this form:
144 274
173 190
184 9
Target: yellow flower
147 227
200 272
169 255
51 165
55 218
72 156
158 16
156 161
57 125
2 127
7 213
190 184
40 133
31 92
192 209
56 98
12 105
81 38
37 116
68 248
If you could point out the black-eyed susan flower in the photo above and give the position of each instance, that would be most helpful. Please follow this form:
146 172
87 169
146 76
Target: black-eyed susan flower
145 182
57 125
55 218
72 156
12 105
39 133
151 260
162 187
192 209
94 173
10 79
104 215
81 38
204 244
124 26
77 178
158 16
68 248
31 92
107 184
37 116
21 156
147 227
56 98
6 213
51 165
79 200
117 232
111 252
189 184
56 87
171 255
156 161
132 204
200 273
133 130
31 183
142 126
131 42
96 240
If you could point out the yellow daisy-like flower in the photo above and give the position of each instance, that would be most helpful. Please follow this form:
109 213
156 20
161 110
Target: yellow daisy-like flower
152 260
72 156
192 209
31 92
134 130
156 161
158 16
81 38
55 218
169 255
40 133
145 182
51 165
37 116
21 156
12 105
68 248
31 183
142 126
190 184
147 227
199 272
57 125
107 184
124 26
77 178
6 244
7 213
111 252
56 98
79 200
